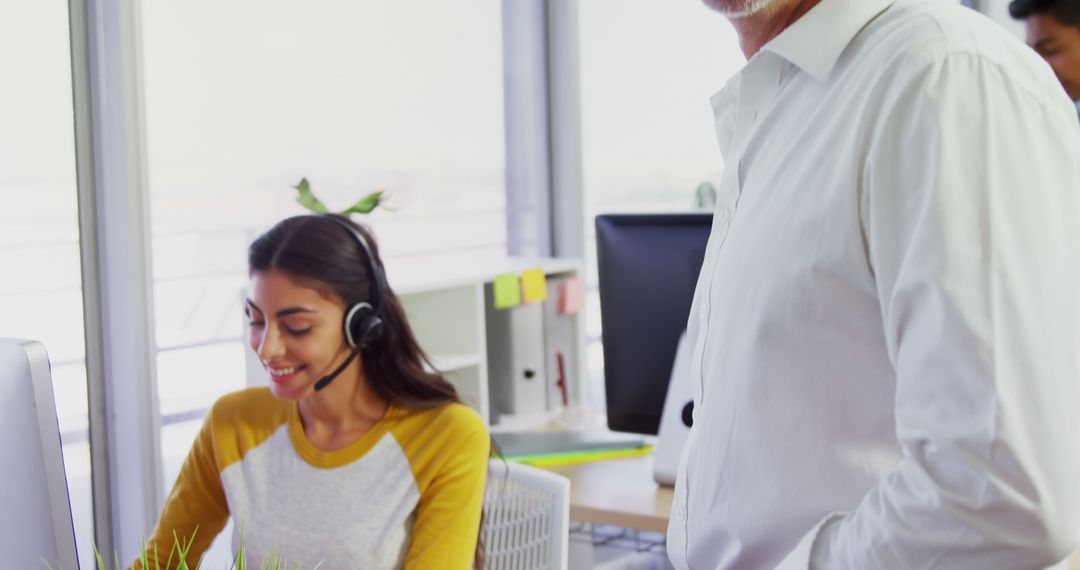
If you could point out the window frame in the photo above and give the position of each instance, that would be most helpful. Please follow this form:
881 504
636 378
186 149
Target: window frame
124 424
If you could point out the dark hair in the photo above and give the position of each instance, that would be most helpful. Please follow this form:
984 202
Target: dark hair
1065 11
318 251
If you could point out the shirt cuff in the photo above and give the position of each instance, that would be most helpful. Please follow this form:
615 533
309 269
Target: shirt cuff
802 558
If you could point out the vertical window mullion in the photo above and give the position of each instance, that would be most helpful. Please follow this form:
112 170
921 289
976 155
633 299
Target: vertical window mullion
528 160
121 380
564 107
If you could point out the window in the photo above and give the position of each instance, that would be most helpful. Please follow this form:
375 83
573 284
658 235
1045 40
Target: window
356 96
648 68
41 289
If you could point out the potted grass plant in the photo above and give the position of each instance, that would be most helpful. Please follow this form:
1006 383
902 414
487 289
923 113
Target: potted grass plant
273 560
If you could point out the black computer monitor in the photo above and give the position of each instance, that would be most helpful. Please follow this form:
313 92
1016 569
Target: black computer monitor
648 268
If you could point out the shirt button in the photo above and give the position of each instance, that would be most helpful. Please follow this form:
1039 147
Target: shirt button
724 214
680 513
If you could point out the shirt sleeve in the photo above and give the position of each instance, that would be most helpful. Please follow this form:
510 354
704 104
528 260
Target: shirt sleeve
196 509
971 212
448 514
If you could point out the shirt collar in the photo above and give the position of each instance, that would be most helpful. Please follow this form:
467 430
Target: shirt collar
816 40
723 104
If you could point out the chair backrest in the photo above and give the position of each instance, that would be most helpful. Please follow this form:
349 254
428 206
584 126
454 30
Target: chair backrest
526 518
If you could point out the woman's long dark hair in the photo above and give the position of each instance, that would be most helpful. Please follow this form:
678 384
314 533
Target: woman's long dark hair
317 250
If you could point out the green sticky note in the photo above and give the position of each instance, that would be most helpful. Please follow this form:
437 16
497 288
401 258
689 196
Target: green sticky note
507 291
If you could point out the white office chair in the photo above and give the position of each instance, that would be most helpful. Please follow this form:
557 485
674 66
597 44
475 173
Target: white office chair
526 518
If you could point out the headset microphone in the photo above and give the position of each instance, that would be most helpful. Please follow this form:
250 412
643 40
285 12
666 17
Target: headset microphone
325 380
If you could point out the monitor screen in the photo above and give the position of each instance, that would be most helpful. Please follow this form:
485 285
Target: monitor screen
648 267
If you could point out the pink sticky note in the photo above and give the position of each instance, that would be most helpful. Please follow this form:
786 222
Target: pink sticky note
571 295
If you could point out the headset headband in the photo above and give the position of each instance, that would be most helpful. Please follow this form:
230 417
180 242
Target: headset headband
373 266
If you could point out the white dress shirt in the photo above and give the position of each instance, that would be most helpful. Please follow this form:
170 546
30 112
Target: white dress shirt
886 330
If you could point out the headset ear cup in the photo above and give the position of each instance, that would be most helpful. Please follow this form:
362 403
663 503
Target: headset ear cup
371 329
357 323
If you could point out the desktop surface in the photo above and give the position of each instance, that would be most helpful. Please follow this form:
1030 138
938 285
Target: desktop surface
618 492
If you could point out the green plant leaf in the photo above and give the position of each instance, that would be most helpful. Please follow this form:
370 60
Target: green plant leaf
365 205
308 200
176 547
240 561
184 547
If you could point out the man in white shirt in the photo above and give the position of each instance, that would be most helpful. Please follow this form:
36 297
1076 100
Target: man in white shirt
886 331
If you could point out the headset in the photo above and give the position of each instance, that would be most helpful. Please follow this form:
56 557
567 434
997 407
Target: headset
362 323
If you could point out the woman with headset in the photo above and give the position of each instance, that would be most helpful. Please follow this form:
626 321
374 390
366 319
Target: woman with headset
355 456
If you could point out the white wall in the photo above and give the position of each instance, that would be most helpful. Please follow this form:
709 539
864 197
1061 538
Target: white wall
998 10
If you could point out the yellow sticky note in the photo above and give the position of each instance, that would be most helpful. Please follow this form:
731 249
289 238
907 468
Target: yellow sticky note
534 285
507 291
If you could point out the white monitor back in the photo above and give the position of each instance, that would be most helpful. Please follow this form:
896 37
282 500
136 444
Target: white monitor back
35 510
676 418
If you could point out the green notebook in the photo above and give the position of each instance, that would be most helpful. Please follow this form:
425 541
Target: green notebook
543 442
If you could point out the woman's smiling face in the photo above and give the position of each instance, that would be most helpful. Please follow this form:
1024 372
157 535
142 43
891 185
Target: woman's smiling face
295 330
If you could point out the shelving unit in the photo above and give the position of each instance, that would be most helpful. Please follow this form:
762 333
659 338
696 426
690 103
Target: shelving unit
445 302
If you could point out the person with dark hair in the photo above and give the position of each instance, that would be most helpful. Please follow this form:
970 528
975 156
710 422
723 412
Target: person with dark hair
1053 30
357 455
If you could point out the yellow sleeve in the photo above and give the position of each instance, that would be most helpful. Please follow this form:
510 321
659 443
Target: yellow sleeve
197 501
448 514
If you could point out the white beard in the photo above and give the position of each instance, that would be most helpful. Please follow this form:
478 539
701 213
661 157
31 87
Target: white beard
748 7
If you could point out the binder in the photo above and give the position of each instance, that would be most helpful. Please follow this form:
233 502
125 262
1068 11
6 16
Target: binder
559 348
517 374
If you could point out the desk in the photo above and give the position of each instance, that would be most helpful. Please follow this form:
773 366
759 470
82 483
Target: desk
618 492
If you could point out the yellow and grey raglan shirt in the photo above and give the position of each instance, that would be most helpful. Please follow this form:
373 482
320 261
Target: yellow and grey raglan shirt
407 494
